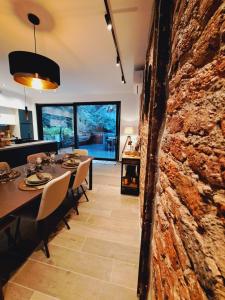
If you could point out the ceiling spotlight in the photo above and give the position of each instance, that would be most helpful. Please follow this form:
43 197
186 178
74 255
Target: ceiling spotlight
34 70
123 79
108 22
117 61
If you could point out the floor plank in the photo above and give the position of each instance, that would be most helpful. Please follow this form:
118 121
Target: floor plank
96 259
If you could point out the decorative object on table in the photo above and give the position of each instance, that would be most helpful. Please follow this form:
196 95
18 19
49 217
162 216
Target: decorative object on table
34 70
46 161
38 164
128 144
52 157
29 169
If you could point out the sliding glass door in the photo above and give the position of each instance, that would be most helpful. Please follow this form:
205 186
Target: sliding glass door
56 122
93 126
97 127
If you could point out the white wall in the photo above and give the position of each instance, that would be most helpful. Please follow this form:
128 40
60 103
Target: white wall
129 109
10 103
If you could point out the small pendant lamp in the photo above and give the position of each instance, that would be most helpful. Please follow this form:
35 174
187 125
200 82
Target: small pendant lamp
34 70
26 109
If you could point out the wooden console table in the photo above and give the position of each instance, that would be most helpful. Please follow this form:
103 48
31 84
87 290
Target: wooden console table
130 174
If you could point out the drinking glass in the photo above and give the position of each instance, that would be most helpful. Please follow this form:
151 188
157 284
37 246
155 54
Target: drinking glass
52 157
38 160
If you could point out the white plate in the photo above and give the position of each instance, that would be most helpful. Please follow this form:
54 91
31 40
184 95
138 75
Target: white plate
33 179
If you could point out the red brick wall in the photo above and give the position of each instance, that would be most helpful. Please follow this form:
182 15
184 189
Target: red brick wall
188 259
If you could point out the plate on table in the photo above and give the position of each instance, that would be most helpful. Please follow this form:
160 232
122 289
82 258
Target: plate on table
72 162
38 179
64 165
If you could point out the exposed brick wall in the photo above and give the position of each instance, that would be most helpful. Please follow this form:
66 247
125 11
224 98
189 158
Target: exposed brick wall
189 237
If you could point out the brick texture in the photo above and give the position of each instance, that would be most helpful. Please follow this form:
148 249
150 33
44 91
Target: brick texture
188 259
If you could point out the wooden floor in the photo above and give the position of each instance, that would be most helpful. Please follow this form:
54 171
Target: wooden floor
96 259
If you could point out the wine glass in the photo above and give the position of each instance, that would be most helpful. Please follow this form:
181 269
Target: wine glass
3 172
52 157
39 160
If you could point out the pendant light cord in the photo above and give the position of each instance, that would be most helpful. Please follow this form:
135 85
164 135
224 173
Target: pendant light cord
35 48
25 96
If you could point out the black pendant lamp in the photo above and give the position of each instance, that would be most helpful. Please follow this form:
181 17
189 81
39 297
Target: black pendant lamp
34 70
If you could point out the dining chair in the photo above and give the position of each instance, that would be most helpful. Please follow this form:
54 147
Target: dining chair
33 157
54 193
80 177
4 166
81 152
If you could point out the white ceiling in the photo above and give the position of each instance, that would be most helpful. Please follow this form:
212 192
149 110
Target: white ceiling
74 34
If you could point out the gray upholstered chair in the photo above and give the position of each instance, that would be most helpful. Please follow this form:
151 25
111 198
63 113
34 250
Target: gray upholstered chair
53 195
33 157
80 177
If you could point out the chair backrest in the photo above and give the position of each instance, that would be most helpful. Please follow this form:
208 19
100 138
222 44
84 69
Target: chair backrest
4 166
53 195
80 151
33 157
81 173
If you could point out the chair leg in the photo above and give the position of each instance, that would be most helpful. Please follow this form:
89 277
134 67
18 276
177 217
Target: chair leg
86 180
46 248
84 192
76 210
9 236
75 207
65 222
17 232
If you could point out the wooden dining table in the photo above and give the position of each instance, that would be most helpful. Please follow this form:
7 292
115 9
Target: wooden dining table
12 198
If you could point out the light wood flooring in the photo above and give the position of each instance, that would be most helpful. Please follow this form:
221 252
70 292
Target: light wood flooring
96 259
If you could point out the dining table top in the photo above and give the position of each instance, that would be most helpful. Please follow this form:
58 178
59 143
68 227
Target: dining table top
12 198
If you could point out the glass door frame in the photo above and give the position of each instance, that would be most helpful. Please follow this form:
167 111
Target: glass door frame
39 117
118 109
74 105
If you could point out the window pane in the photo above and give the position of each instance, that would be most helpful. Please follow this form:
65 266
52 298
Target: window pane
96 129
58 124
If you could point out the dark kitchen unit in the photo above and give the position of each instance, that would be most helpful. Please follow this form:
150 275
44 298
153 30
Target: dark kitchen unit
26 125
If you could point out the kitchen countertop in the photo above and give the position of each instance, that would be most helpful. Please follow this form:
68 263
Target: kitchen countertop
13 146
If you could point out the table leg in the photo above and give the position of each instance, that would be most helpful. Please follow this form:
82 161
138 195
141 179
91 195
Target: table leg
90 176
1 292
